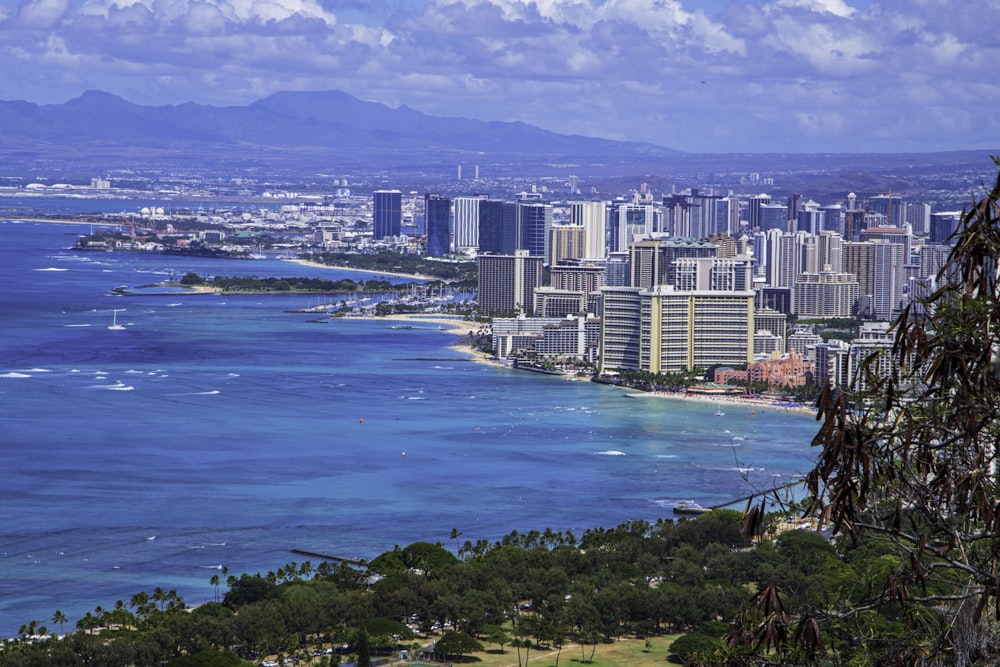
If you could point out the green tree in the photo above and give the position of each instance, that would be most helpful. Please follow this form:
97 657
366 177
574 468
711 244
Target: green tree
59 618
364 651
497 635
909 458
456 643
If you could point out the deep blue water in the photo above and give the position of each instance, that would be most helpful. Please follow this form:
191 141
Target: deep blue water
224 431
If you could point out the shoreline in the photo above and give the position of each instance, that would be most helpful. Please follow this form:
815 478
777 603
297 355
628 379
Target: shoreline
753 404
62 221
450 324
320 265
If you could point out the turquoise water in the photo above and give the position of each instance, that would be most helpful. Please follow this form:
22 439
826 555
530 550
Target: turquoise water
222 431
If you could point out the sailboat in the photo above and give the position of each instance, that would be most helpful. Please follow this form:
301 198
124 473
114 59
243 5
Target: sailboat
114 326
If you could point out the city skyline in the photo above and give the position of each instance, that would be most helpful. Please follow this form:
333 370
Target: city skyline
695 75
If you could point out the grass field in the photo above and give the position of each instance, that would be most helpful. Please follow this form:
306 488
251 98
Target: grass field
630 652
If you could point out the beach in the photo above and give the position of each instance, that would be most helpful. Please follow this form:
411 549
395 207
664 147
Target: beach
452 324
756 405
320 265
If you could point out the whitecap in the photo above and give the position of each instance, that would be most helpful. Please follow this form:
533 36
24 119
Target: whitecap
13 374
174 305
611 452
133 371
117 386
37 370
415 398
52 268
77 325
666 456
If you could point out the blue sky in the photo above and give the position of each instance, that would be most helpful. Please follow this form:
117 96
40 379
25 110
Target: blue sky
697 75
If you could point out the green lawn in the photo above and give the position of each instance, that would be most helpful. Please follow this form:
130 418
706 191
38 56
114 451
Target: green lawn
630 652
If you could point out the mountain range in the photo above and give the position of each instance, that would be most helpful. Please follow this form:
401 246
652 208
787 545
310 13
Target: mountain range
302 123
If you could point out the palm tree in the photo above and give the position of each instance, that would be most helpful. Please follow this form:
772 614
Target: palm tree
159 596
59 618
214 581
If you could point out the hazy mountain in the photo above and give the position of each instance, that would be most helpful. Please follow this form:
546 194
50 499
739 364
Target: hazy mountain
297 122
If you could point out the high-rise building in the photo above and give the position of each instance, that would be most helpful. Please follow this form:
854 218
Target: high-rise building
943 226
811 218
871 349
565 242
534 221
898 235
858 260
794 204
628 222
933 257
498 227
783 259
825 294
918 217
891 206
717 274
664 330
833 219
727 216
833 363
437 224
467 223
772 216
765 319
592 216
754 203
387 213
888 279
617 271
652 261
507 283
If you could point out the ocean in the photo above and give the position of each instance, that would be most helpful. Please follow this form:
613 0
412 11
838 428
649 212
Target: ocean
223 431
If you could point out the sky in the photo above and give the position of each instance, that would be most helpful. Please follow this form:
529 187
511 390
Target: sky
708 76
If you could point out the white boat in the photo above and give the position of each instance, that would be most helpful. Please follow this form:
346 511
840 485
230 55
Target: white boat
114 326
689 507
720 413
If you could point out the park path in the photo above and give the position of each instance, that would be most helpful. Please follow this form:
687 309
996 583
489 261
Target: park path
542 656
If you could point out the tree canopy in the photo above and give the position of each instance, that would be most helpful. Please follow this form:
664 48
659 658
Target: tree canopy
907 472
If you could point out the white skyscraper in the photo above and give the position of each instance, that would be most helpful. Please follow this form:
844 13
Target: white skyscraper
591 215
888 279
467 223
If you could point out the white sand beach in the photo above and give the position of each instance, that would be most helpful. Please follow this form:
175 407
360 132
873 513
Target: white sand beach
320 265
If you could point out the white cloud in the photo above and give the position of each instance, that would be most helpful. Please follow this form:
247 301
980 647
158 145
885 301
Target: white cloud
803 72
41 14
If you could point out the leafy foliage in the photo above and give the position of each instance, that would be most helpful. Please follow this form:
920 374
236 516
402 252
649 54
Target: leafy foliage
907 470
